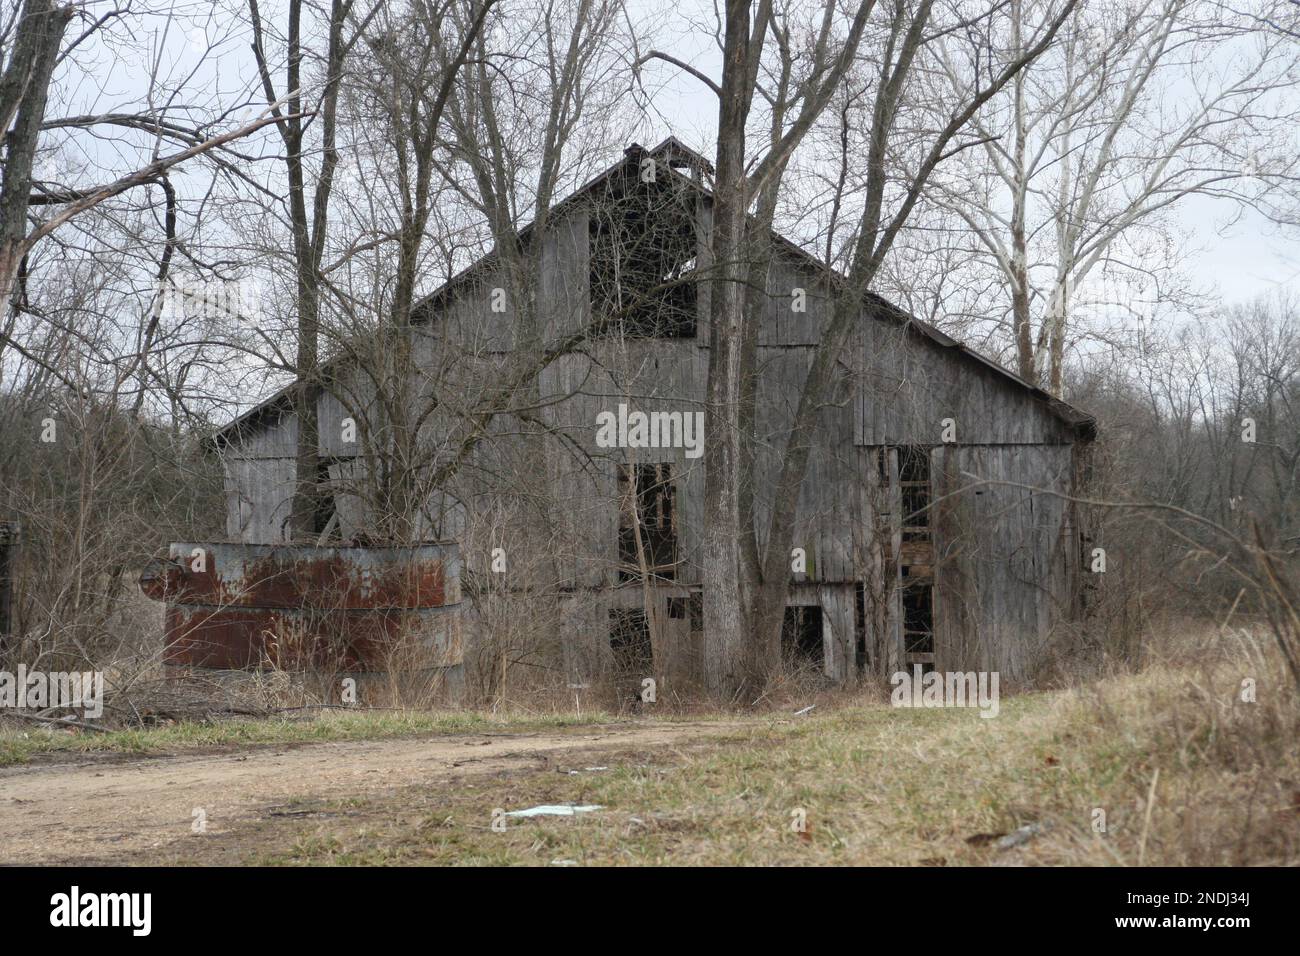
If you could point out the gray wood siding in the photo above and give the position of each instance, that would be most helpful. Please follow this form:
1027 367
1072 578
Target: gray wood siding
564 297
258 494
827 497
781 323
647 376
1006 556
908 386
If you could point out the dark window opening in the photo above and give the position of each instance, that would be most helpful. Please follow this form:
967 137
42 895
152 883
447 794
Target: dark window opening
648 504
918 619
643 246
629 639
9 535
860 624
677 608
801 636
697 612
913 463
914 488
323 498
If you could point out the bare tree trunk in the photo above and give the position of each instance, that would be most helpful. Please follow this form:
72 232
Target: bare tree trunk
740 251
876 235
308 231
1058 323
24 89
725 625
1019 244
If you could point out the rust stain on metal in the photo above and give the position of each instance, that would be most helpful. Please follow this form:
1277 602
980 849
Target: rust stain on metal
270 576
238 606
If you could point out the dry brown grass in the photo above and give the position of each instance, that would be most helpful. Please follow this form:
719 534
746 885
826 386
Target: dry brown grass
1186 772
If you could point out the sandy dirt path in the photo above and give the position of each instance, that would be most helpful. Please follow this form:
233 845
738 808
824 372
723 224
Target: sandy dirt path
97 810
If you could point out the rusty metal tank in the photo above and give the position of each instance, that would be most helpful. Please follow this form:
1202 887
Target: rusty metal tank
236 606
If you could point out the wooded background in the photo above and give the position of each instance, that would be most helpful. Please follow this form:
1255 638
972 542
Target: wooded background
201 207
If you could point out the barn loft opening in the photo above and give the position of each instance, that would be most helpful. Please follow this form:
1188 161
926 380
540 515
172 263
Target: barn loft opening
642 255
647 528
801 636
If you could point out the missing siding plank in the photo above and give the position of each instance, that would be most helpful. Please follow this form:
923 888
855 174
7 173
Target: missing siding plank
860 625
914 488
642 259
323 499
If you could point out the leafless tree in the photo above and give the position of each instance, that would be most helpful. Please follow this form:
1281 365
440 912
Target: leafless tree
745 646
1084 158
729 559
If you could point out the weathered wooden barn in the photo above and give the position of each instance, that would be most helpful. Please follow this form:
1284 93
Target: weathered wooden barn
935 519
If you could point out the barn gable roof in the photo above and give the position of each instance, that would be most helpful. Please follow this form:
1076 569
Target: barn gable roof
676 156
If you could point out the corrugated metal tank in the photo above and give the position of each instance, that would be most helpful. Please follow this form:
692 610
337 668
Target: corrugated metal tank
236 606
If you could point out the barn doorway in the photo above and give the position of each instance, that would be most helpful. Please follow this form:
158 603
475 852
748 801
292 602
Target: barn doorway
918 619
629 640
801 638
905 476
633 652
9 531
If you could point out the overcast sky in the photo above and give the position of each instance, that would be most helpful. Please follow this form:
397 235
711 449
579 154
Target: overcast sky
1238 259
1230 252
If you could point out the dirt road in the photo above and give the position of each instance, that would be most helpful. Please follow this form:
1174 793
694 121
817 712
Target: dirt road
100 810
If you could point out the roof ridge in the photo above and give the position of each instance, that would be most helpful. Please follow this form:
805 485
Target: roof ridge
1073 416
